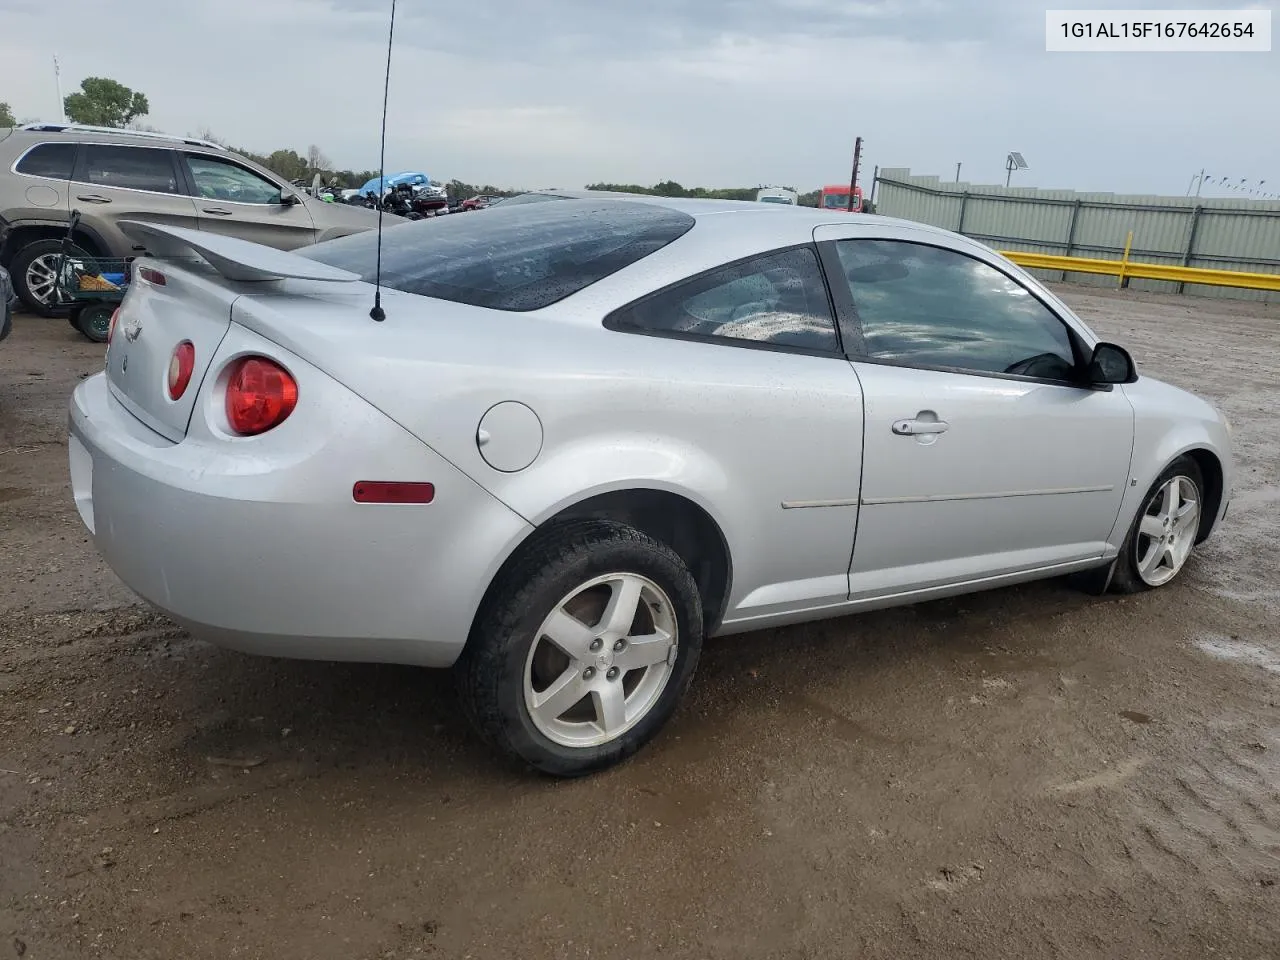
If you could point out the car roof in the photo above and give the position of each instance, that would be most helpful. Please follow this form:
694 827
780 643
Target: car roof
724 231
79 132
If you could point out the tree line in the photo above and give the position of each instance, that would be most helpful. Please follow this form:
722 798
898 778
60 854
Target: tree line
104 102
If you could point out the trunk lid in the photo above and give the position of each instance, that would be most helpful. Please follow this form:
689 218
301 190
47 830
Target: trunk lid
192 304
182 298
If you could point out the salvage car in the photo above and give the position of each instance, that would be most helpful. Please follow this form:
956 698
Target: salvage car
557 446
50 171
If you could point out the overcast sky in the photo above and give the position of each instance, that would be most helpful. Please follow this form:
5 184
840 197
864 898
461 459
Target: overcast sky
710 92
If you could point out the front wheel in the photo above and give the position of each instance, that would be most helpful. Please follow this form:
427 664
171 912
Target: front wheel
1165 530
584 648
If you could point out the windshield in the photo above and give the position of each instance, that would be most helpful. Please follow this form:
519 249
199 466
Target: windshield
511 258
836 201
786 200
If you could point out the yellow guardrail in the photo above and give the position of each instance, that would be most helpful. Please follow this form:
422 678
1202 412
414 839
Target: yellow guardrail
1125 269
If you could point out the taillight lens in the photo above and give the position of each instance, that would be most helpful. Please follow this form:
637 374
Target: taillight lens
111 330
260 395
181 366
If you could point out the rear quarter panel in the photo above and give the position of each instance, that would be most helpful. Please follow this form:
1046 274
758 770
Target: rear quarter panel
737 431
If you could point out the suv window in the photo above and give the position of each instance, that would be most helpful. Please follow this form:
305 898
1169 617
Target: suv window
51 160
218 179
522 258
925 306
129 168
779 298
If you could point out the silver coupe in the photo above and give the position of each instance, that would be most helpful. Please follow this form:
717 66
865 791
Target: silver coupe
577 438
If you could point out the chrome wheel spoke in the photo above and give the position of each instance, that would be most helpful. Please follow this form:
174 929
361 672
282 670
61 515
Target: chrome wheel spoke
641 652
569 634
1187 513
610 701
566 691
1172 496
620 614
1150 561
1151 527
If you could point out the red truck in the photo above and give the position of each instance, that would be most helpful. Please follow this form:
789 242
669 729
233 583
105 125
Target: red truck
837 198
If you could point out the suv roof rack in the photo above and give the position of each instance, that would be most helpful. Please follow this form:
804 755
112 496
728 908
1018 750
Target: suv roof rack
118 131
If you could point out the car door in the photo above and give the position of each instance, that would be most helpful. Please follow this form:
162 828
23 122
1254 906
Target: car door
755 382
985 455
112 182
239 202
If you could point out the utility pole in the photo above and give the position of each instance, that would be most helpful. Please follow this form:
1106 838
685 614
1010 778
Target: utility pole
957 173
57 79
853 179
1198 180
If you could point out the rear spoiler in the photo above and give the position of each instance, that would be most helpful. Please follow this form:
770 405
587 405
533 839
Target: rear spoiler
233 258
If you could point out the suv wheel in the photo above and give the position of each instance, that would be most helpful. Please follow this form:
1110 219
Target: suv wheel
584 649
34 270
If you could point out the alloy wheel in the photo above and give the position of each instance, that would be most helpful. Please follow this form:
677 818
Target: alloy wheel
1167 532
600 660
42 278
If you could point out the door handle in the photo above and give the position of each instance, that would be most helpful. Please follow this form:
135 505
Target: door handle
916 428
217 211
92 198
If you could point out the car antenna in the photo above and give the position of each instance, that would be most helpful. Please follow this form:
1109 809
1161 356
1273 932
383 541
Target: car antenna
377 313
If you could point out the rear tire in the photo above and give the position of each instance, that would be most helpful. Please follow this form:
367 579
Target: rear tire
608 683
1164 532
32 269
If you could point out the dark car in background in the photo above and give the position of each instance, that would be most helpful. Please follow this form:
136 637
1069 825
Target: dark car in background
6 303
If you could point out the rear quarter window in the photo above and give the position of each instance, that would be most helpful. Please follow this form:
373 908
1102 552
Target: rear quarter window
519 259
53 160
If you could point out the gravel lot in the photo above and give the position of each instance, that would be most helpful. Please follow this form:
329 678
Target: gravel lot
1025 773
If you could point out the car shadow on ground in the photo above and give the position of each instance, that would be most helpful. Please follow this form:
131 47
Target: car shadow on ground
242 709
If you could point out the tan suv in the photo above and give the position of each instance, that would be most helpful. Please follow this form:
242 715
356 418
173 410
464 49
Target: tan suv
47 171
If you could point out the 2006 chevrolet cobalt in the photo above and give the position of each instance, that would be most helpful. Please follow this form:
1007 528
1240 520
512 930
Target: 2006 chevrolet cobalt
588 434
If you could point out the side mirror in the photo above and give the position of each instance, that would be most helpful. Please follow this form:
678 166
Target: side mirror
1111 364
288 198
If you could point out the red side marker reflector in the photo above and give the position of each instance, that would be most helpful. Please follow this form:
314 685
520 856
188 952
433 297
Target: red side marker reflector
392 491
152 276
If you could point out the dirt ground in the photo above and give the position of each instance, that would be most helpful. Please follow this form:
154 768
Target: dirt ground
1025 773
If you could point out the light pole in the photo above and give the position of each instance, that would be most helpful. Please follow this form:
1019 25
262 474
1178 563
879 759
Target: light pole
57 79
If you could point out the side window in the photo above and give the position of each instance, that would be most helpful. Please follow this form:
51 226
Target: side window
924 306
218 179
779 298
52 160
129 168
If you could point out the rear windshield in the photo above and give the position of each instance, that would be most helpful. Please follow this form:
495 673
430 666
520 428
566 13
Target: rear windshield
524 258
530 198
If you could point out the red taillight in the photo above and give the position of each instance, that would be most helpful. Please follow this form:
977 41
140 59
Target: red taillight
392 491
111 330
181 366
260 395
152 276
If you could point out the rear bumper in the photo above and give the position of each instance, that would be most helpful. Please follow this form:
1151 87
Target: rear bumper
267 552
